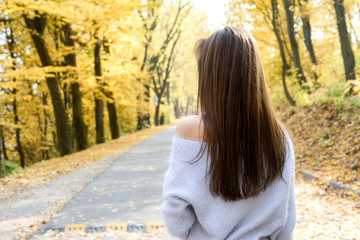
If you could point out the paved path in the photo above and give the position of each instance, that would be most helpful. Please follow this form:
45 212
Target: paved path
21 215
128 191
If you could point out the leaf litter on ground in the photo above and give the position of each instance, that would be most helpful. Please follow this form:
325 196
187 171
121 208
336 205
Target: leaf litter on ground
327 144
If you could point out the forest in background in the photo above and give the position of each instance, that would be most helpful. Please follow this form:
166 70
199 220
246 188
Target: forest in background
78 73
309 48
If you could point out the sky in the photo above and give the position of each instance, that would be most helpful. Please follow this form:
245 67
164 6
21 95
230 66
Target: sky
214 9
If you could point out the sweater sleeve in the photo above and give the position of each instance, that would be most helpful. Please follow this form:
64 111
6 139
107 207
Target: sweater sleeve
177 212
287 232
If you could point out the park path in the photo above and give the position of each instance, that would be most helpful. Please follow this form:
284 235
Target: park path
128 189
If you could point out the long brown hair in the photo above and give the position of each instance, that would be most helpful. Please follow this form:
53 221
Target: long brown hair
245 140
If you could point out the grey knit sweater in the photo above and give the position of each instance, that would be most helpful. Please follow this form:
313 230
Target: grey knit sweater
189 210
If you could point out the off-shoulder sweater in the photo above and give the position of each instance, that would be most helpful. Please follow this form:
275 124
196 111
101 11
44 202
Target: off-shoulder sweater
190 211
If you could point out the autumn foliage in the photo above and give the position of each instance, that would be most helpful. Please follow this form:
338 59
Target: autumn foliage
79 73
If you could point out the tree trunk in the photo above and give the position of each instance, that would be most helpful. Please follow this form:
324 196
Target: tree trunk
58 36
43 130
144 120
3 169
17 132
176 109
3 146
113 120
67 104
162 119
37 27
114 125
78 120
294 45
285 66
46 151
307 34
157 111
285 69
99 103
11 45
346 51
163 74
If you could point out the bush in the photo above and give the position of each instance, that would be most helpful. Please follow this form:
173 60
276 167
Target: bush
12 167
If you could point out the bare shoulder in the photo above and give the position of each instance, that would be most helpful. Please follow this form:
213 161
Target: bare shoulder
191 128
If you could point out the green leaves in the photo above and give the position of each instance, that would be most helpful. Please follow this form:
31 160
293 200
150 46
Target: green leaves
12 167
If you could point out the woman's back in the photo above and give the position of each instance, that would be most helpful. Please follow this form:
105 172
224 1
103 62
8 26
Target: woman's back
190 211
231 173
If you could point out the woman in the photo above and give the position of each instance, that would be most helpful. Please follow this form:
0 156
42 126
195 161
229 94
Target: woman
231 173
